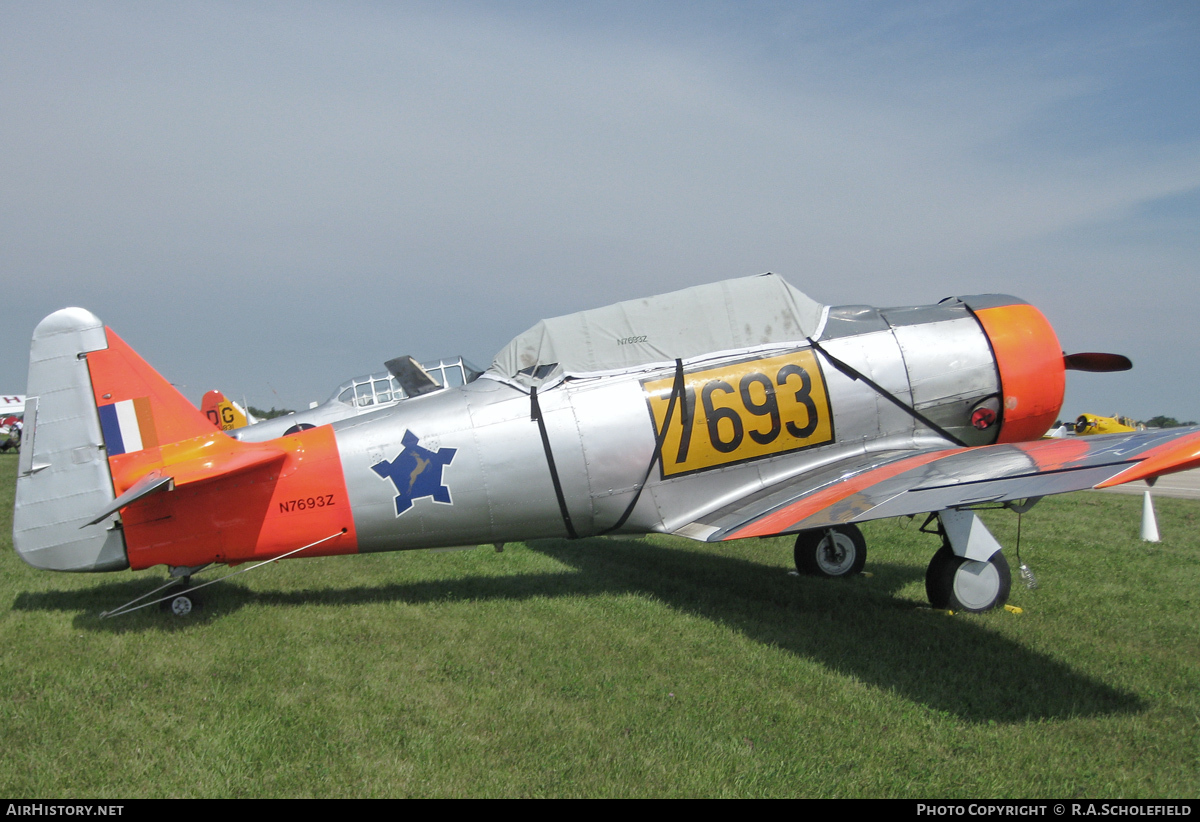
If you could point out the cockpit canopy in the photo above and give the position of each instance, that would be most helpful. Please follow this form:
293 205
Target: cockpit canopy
722 316
383 389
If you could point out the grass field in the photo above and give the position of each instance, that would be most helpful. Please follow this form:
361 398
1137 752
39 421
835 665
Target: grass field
620 667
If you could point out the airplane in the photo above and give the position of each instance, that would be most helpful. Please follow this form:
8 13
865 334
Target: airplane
10 433
224 413
11 404
1088 425
725 411
404 378
12 407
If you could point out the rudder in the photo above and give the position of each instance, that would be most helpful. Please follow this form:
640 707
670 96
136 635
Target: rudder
63 476
91 399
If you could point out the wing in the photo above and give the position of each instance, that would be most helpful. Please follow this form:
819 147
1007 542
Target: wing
899 483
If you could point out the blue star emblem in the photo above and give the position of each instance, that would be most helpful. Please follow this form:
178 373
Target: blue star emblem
416 472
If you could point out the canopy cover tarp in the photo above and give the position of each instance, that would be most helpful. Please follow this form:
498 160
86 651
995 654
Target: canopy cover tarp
731 314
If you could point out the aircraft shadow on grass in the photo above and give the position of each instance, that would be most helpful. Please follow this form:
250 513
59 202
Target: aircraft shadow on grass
854 627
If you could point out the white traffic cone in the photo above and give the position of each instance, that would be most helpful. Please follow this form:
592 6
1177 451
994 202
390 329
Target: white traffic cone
1149 524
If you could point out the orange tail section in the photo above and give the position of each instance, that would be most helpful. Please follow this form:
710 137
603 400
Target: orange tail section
190 495
123 471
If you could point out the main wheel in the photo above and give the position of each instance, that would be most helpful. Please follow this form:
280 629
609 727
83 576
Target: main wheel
839 551
962 584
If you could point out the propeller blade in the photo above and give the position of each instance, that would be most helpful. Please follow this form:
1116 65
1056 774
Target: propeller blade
1092 361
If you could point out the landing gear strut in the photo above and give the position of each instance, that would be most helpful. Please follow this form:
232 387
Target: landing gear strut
969 572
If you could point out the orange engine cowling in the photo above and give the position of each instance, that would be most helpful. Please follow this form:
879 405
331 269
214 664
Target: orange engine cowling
1030 362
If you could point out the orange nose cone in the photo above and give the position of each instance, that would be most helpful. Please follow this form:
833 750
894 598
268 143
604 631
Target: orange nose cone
1032 374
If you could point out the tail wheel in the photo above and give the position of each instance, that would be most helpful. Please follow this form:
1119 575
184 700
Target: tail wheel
181 605
962 584
839 551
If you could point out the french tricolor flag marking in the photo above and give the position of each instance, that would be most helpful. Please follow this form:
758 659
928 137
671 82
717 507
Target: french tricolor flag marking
128 426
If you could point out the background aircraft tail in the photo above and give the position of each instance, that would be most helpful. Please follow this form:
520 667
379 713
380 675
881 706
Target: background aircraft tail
224 413
90 398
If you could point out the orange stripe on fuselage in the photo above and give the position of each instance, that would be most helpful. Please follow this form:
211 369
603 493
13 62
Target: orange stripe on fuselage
1032 374
788 516
222 511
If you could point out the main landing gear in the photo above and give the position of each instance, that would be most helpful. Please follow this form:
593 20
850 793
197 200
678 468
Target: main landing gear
960 584
838 551
968 573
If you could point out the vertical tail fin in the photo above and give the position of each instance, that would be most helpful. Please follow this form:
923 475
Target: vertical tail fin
223 412
138 408
90 398
122 471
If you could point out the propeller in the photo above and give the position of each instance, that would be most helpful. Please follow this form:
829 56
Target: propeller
1093 361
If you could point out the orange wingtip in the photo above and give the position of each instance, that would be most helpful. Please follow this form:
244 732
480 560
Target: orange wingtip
1180 455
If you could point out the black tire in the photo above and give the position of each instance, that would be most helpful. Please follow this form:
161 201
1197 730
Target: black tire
836 552
960 584
182 604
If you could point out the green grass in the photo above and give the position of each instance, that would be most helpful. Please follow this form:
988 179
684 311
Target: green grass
620 667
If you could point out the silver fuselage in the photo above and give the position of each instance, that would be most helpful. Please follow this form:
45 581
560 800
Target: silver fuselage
497 486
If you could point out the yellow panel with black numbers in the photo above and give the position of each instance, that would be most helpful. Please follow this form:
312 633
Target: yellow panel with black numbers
742 411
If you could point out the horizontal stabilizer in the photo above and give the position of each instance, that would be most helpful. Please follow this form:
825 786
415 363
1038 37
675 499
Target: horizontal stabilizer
107 434
147 485
201 460
181 468
210 467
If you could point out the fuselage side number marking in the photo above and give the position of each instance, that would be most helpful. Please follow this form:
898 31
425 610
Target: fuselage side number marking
742 411
305 503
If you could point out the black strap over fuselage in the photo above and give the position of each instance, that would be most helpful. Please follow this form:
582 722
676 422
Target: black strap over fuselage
677 392
535 413
855 374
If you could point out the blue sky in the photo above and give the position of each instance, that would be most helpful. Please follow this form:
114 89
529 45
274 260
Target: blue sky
273 197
